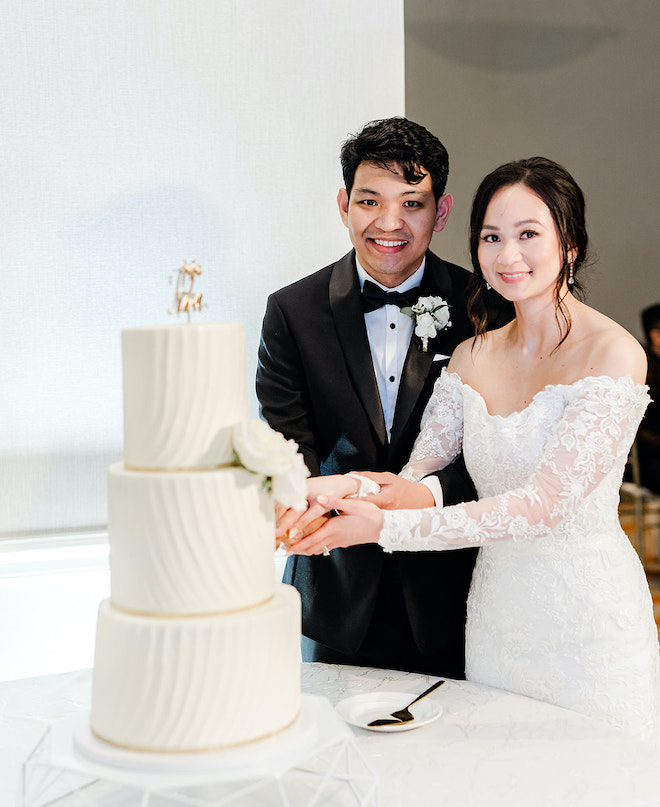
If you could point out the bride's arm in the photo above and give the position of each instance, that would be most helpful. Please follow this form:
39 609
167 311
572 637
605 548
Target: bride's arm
438 444
440 438
595 431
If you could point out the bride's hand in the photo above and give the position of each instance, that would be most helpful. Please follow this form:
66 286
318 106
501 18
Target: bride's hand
336 485
358 522
397 493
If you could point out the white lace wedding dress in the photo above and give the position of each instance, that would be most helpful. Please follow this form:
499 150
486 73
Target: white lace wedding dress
559 607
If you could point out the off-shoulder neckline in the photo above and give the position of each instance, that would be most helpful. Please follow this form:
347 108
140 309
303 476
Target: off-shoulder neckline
624 381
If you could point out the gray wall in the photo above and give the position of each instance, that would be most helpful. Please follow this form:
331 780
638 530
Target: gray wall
498 80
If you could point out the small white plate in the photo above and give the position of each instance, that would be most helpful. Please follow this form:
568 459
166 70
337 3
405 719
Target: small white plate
360 710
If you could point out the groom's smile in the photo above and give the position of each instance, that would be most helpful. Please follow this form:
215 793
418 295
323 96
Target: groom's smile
388 247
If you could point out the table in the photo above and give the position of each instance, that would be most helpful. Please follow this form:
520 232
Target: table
489 747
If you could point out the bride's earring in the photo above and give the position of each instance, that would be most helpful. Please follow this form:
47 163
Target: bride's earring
487 285
571 278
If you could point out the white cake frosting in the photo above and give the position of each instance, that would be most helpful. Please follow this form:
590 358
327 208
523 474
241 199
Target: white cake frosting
184 388
197 684
197 648
193 542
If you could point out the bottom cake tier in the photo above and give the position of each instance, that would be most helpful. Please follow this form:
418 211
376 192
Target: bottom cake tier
197 683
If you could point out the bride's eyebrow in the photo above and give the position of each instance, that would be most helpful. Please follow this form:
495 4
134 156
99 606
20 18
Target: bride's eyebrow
522 223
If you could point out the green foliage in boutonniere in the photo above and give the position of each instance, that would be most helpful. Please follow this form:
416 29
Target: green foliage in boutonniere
430 315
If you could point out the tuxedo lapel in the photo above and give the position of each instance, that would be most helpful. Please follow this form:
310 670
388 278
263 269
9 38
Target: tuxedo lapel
346 307
435 283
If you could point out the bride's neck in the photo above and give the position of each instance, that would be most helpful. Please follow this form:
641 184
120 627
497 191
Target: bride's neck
538 328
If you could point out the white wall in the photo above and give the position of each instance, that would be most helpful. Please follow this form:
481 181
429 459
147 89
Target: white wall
498 80
136 134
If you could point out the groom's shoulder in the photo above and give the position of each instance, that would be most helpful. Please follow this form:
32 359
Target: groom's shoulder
449 278
315 283
439 266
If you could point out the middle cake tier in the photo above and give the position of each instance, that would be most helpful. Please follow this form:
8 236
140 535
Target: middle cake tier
189 542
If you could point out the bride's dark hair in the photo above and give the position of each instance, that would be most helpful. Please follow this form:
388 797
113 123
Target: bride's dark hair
562 196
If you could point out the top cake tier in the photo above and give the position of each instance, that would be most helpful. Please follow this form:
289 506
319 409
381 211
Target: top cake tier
184 390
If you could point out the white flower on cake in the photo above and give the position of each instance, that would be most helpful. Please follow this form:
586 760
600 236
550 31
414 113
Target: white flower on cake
430 314
264 451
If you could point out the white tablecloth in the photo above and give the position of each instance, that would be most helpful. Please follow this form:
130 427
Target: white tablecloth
488 748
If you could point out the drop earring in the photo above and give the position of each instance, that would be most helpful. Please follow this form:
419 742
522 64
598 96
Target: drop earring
571 278
487 285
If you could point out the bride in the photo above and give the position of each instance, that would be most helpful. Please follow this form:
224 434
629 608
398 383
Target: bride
545 411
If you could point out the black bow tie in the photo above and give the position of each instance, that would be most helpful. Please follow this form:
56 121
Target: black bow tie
374 297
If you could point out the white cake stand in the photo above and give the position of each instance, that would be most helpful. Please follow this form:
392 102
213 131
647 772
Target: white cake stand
315 761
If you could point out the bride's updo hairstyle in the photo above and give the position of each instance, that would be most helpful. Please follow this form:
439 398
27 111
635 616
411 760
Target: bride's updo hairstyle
562 196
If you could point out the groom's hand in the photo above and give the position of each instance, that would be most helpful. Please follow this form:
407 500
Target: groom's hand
397 493
308 521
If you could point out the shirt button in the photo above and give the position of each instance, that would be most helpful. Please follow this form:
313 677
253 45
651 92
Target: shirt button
391 378
392 325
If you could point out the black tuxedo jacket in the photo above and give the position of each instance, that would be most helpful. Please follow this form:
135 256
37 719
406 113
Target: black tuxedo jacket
316 384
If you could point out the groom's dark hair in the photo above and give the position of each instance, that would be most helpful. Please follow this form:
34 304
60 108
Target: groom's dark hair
400 141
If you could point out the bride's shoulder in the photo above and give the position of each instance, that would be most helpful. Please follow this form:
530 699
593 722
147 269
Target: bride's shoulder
610 350
475 351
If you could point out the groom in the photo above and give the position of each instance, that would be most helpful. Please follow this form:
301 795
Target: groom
341 372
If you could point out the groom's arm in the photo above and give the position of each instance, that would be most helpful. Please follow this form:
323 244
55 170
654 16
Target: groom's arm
451 485
456 484
284 399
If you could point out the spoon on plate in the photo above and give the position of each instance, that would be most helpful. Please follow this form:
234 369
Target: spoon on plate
404 715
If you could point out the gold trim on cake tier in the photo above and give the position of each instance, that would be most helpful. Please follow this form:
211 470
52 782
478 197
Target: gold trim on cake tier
197 468
208 750
153 615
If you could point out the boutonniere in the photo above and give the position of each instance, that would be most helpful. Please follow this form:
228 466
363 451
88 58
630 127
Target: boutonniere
430 315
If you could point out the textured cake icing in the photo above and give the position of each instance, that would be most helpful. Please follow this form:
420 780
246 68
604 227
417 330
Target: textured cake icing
197 647
193 542
203 683
184 388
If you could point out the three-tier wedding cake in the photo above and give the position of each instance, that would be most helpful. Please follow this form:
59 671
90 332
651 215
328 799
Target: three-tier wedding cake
198 647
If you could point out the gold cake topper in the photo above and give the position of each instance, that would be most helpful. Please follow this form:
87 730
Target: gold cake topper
184 298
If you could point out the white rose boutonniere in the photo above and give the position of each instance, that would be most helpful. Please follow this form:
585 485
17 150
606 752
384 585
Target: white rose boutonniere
430 315
262 450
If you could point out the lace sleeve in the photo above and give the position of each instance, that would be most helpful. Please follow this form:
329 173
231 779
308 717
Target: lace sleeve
596 429
441 432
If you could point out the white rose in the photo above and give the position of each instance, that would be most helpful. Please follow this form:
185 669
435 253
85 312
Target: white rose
260 448
289 489
441 316
422 305
425 326
264 451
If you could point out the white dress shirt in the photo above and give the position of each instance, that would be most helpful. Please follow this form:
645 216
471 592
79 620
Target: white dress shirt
389 332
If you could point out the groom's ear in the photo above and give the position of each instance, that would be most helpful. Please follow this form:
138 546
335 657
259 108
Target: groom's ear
342 204
445 204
